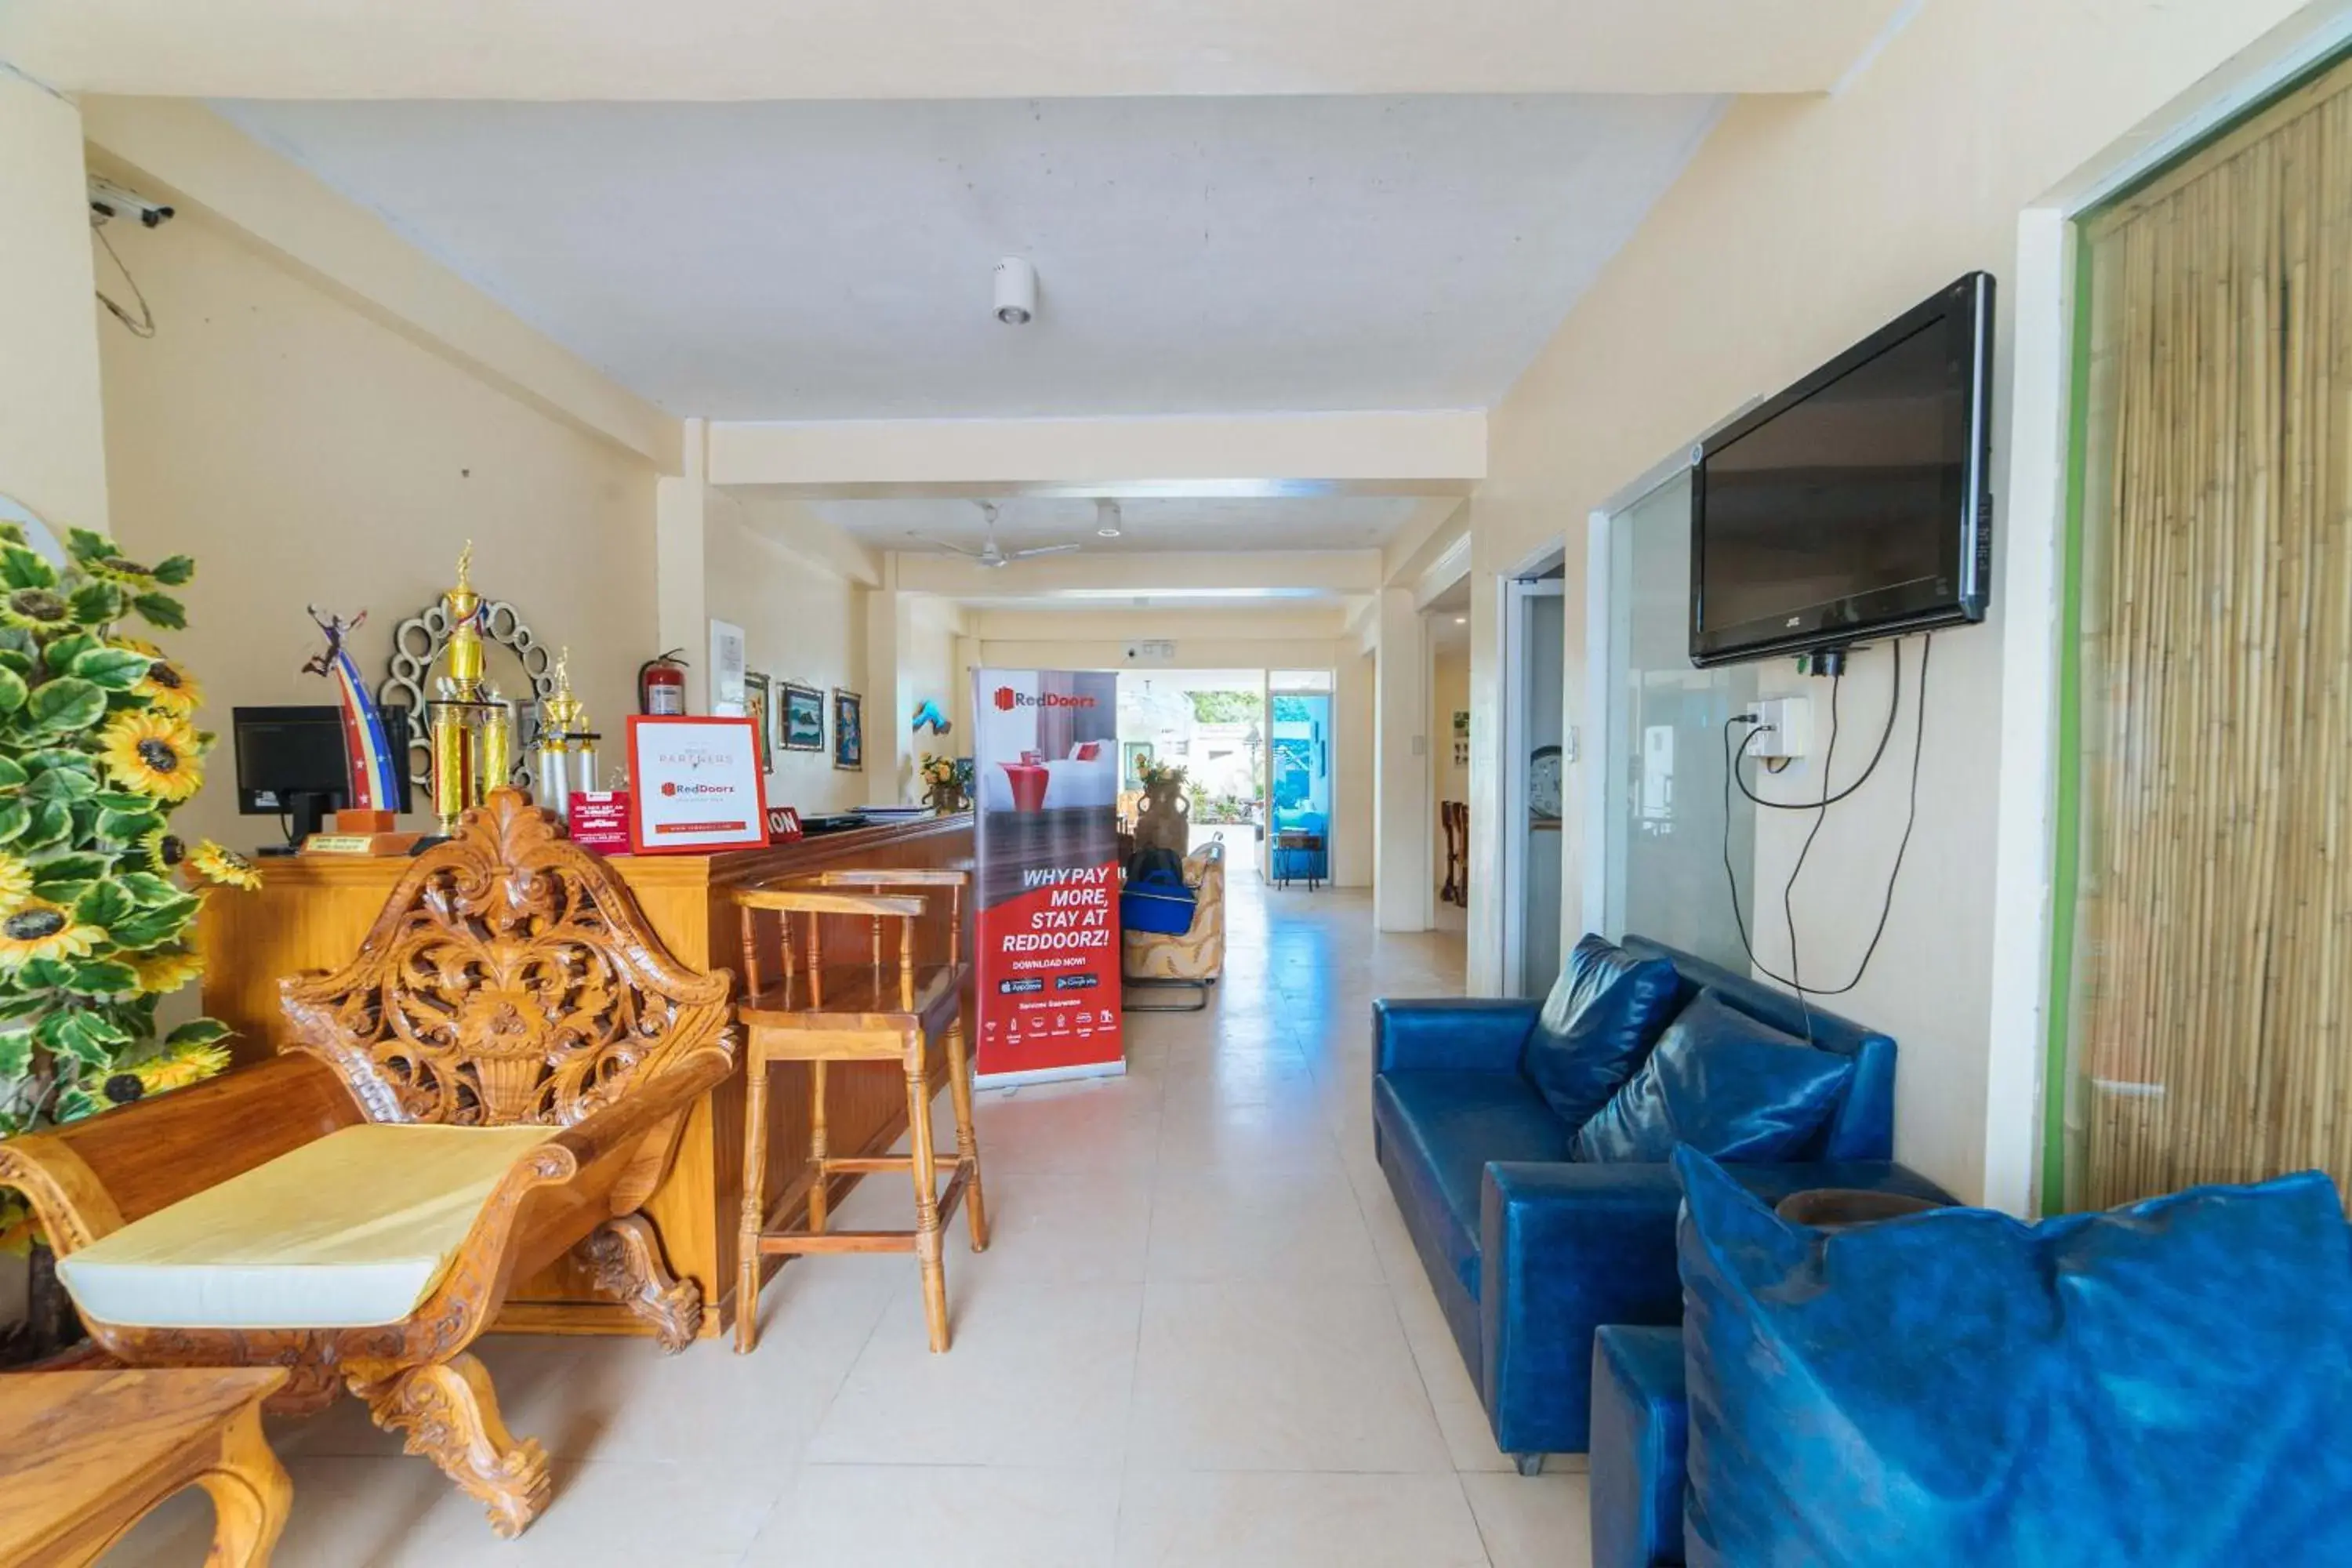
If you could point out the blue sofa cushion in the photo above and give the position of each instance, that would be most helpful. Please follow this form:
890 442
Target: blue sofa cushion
2167 1382
1444 1127
1725 1084
1603 1014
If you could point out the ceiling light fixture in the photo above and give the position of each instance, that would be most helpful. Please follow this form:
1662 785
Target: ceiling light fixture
1107 520
1016 291
1461 620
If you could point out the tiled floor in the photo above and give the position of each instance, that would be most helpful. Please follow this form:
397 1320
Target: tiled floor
1200 1337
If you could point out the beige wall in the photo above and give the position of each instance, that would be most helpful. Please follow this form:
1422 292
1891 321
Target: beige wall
801 621
304 453
1801 225
930 671
50 456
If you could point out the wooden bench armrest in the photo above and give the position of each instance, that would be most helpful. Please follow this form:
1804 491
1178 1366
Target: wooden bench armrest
618 1127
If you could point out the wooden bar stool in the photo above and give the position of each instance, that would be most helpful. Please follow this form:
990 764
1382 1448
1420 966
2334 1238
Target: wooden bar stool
883 1009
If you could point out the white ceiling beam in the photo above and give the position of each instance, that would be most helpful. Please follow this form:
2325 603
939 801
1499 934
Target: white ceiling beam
1429 532
1438 452
184 151
712 50
1268 576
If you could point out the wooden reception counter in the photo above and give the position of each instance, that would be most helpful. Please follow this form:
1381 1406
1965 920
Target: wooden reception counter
311 913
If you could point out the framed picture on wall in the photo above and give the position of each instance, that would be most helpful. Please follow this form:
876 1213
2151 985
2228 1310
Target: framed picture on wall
763 719
800 717
848 730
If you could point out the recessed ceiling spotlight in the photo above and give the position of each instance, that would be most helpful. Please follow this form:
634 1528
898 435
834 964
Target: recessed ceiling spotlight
1107 520
1016 291
1461 620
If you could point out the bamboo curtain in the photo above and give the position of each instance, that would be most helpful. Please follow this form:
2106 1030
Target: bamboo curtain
2215 945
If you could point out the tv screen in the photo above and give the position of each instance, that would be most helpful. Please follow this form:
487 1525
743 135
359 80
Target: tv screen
1853 504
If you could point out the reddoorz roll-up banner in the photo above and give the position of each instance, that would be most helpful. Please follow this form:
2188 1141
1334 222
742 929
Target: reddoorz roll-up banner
1046 753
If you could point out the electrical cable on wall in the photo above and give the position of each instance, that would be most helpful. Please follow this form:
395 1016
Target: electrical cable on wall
144 324
1910 821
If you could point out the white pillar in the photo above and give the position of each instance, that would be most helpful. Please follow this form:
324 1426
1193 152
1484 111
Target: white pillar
681 615
1352 773
52 423
889 742
1401 808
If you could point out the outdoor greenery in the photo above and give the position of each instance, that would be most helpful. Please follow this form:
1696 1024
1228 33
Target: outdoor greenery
1225 707
98 897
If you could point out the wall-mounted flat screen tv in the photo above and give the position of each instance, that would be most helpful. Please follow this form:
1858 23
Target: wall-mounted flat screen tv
1854 504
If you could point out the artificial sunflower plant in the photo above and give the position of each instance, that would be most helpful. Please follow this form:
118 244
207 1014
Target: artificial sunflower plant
98 897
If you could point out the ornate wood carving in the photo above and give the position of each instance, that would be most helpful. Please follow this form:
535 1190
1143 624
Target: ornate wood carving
447 1412
509 979
628 1265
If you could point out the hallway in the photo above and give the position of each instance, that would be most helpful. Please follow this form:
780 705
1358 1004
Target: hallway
1200 1337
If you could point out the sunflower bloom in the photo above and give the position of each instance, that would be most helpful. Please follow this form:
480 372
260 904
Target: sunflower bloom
153 754
162 851
182 1067
40 929
216 863
36 610
16 881
160 972
169 688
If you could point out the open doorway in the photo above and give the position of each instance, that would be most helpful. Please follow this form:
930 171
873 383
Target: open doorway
1213 724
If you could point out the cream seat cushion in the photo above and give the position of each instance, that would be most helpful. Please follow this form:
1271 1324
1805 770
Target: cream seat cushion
351 1231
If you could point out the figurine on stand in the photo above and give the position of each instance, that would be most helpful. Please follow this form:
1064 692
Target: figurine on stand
367 826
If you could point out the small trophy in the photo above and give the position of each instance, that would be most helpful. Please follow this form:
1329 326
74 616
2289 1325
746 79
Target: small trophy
473 727
565 753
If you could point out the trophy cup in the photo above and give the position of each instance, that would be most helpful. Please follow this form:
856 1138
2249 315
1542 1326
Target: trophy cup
564 756
471 724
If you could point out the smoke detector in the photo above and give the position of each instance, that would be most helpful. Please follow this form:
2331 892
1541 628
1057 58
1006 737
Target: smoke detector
1016 291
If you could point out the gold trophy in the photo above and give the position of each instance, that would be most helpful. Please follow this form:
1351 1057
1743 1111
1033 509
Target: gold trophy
564 756
472 726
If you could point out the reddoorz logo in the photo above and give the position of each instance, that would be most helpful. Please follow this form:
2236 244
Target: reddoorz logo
1007 700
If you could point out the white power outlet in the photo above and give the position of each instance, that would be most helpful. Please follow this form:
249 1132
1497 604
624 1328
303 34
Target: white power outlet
1784 729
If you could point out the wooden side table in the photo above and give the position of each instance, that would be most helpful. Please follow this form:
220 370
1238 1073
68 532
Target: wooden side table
84 1456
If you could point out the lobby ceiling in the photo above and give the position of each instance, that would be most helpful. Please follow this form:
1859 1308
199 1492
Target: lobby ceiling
1023 522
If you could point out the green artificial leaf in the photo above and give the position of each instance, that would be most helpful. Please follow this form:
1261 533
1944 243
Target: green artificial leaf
21 567
60 784
147 889
69 870
75 1104
78 1036
115 668
67 703
84 545
52 824
11 774
103 977
98 603
173 570
15 1005
60 757
61 654
153 928
16 659
161 610
123 800
103 904
12 692
126 828
16 1053
197 1032
42 974
15 818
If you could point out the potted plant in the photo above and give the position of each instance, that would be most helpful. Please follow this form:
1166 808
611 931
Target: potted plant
947 782
98 896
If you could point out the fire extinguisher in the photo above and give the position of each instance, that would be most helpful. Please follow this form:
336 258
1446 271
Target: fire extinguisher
661 684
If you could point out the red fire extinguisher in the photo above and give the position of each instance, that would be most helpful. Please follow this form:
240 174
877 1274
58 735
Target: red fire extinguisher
661 684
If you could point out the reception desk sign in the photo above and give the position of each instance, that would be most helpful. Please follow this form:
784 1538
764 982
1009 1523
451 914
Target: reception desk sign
695 785
1045 763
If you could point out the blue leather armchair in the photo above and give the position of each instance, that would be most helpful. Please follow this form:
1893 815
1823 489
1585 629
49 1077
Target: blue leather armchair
1529 1252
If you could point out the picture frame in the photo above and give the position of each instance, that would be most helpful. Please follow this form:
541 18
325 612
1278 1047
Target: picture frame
695 785
756 708
848 730
800 717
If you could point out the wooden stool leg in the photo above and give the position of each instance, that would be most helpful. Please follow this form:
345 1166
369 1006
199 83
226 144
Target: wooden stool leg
250 1492
975 1207
820 1145
927 1194
755 1203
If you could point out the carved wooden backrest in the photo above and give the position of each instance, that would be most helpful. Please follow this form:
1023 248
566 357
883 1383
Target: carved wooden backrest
510 978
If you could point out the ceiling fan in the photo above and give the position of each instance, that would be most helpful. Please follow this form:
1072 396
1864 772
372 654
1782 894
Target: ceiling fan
992 555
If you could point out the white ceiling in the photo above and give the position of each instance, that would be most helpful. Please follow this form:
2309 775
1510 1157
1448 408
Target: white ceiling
831 260
1310 523
682 50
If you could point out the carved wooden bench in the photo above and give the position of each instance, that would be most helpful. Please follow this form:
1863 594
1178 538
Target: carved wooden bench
511 984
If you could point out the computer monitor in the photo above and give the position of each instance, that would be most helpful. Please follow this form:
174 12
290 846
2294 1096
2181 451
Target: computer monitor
291 763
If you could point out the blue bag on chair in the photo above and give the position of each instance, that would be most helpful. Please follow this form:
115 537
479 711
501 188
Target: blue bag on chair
1158 902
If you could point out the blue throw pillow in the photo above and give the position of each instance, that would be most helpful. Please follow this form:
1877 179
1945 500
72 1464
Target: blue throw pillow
1602 1017
2169 1382
1724 1083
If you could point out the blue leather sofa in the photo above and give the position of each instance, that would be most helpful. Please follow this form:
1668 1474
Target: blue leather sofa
1531 1252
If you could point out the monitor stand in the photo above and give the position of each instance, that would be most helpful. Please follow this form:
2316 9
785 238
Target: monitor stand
306 812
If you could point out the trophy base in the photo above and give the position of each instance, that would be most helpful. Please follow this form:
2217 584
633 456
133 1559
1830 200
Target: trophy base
362 844
354 822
